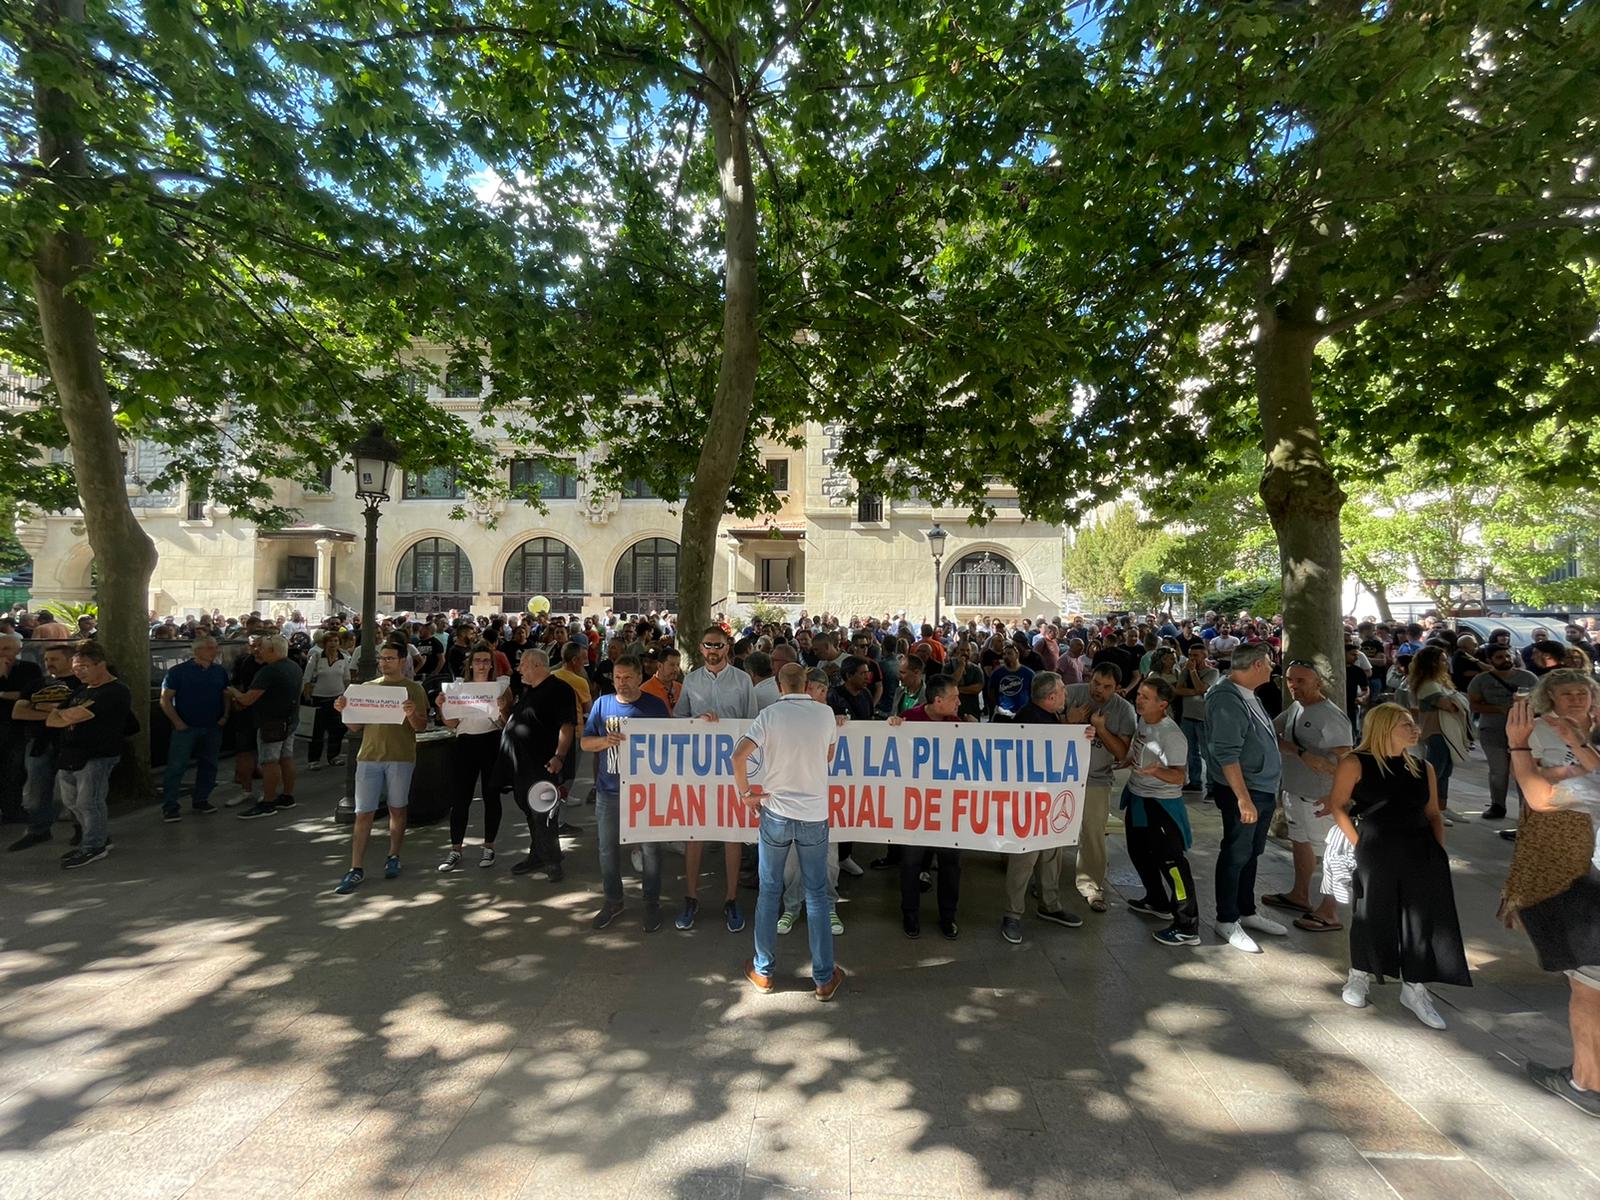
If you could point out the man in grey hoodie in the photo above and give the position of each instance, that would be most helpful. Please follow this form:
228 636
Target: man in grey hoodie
1243 766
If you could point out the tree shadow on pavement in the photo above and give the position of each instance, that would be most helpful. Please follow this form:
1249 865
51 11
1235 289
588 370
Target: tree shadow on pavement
201 1017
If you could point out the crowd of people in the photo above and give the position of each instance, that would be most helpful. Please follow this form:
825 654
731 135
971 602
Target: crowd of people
1178 710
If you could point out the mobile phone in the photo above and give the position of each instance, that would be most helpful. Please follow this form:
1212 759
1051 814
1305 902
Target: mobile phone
1522 693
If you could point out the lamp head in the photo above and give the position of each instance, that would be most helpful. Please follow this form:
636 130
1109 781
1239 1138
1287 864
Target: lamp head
376 459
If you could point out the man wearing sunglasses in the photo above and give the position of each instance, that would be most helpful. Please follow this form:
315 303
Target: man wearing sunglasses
711 692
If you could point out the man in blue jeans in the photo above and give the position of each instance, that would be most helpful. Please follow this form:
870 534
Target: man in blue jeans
1244 765
194 698
1195 678
795 738
603 736
30 713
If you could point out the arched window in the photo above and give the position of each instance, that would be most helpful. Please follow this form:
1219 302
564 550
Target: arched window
543 567
983 580
433 575
646 578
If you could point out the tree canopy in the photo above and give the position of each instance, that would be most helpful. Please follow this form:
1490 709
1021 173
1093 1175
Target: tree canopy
1145 248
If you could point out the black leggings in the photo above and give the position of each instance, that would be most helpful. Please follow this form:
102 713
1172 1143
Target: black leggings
473 757
327 729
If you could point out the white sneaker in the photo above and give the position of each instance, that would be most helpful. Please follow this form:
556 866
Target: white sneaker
1415 997
1356 988
1265 925
336 761
239 797
316 766
1236 937
850 867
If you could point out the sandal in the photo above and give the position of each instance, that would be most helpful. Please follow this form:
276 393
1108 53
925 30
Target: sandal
1281 900
1312 923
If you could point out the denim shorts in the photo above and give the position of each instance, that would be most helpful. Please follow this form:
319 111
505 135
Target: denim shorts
268 752
389 781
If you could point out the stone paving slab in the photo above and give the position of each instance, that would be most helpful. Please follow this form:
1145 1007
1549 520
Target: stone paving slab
198 1016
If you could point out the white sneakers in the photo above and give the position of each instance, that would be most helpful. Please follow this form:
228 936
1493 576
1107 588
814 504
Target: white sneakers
1356 988
1233 933
1260 924
1415 997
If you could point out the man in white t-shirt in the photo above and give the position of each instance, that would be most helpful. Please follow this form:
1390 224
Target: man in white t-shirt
1224 644
795 738
1313 735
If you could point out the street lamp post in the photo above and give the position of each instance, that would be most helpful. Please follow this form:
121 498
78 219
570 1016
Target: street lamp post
376 458
936 537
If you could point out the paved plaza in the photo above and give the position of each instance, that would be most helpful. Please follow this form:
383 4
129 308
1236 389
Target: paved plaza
199 1016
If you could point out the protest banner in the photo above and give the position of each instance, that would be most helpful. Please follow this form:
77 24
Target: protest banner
374 704
1008 788
471 699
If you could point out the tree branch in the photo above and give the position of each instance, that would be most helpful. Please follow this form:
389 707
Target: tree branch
611 48
1430 277
782 44
714 47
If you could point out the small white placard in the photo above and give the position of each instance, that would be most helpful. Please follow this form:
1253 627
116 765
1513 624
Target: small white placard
471 699
374 704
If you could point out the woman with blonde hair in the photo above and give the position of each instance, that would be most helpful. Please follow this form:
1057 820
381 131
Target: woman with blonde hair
1404 919
1442 716
1566 698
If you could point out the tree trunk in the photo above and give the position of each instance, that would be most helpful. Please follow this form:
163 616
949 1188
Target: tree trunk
729 421
1380 594
124 555
1298 489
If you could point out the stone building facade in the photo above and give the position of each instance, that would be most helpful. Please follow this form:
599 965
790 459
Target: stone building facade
826 548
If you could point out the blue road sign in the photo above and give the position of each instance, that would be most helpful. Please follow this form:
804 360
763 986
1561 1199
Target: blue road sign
1172 589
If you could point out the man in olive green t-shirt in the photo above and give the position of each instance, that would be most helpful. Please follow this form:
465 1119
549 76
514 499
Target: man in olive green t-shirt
384 767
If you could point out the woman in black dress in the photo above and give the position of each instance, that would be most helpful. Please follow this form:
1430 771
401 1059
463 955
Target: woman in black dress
1405 925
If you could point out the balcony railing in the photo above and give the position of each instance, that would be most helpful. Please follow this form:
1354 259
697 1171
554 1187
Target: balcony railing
313 603
424 602
563 604
641 602
869 509
770 597
15 392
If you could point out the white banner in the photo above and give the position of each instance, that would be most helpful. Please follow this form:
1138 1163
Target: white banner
466 699
978 787
374 704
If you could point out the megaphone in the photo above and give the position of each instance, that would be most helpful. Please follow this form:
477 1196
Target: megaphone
543 797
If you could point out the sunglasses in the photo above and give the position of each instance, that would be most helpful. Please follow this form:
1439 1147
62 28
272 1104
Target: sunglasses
713 645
